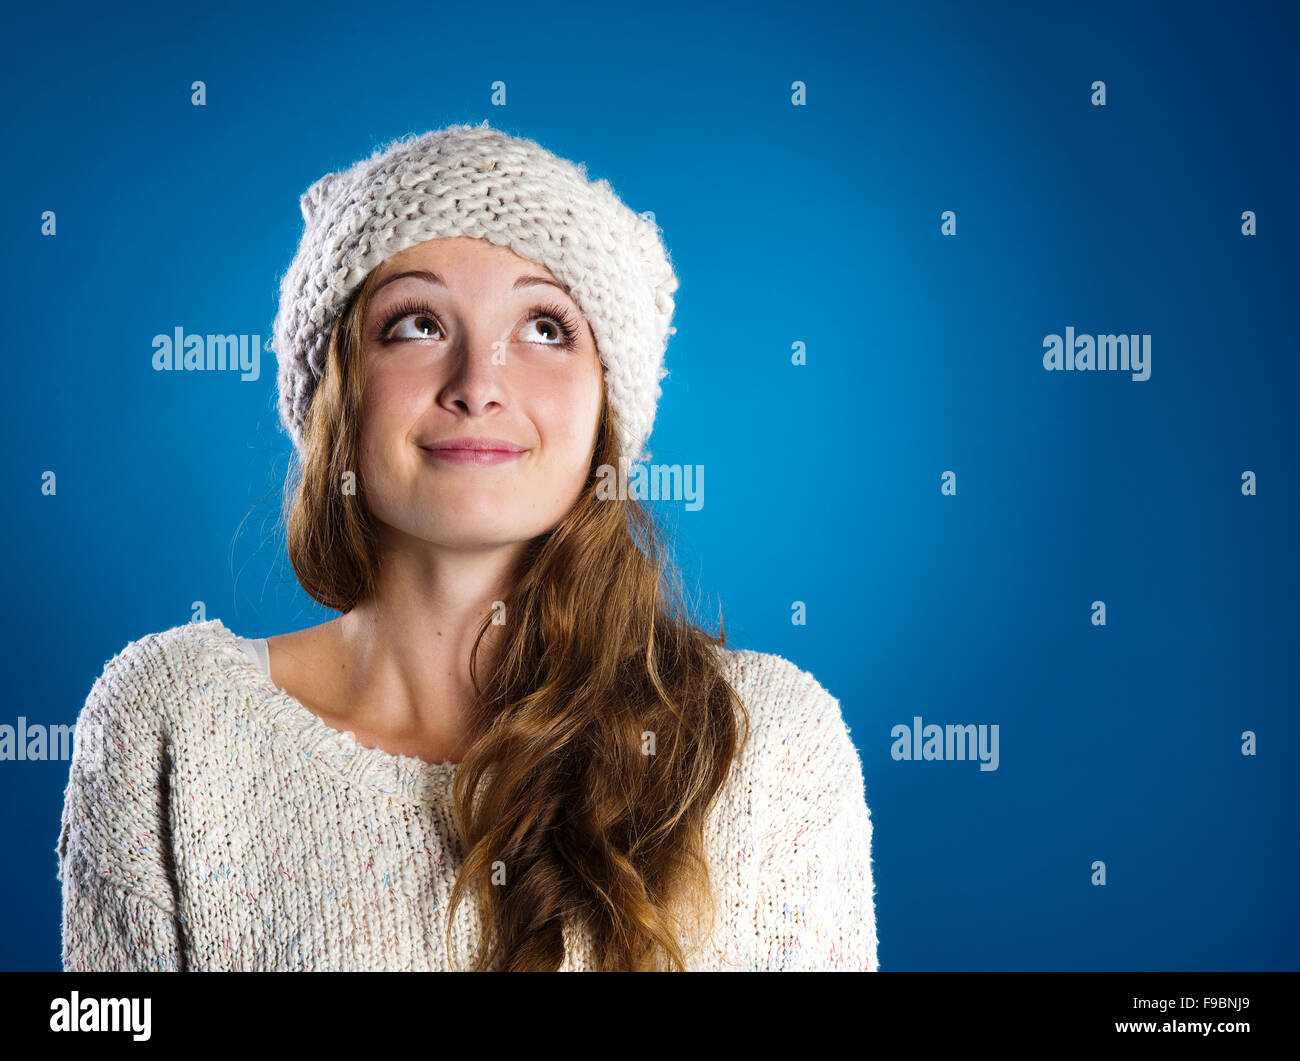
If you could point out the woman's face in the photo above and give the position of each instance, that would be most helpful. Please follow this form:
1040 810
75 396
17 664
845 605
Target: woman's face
466 341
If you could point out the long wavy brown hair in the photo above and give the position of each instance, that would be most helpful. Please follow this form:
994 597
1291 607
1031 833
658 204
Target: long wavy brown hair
603 732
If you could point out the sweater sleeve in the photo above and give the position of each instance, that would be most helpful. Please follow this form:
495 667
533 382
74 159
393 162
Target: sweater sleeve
816 896
119 910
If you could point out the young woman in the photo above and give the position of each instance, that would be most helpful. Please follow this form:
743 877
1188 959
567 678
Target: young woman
512 749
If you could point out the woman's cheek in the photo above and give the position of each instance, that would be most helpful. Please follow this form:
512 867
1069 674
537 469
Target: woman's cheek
567 407
392 402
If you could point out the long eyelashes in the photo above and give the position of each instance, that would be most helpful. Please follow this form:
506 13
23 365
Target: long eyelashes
559 315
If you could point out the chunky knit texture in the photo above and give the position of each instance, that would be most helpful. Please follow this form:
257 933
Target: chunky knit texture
476 181
213 822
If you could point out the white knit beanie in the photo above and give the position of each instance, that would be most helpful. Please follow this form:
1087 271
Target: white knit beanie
476 181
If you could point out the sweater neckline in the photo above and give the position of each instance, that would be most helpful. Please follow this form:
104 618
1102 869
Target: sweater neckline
404 777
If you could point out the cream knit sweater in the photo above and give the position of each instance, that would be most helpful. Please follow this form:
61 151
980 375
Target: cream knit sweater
213 822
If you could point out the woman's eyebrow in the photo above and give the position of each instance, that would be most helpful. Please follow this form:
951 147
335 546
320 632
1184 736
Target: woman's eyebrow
434 278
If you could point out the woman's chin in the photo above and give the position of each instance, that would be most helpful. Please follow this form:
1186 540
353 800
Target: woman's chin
472 536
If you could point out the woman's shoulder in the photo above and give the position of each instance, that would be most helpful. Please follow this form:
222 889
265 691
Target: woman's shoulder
158 669
113 817
165 651
767 676
796 721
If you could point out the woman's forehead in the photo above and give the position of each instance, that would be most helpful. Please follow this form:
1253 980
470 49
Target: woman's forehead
461 251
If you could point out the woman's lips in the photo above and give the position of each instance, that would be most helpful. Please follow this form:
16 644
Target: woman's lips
475 451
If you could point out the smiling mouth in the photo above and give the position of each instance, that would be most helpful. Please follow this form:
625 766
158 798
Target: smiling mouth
475 451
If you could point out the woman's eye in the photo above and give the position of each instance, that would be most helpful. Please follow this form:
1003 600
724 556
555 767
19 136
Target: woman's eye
410 323
421 326
550 331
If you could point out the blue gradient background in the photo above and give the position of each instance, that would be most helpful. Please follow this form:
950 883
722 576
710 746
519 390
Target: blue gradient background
818 224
